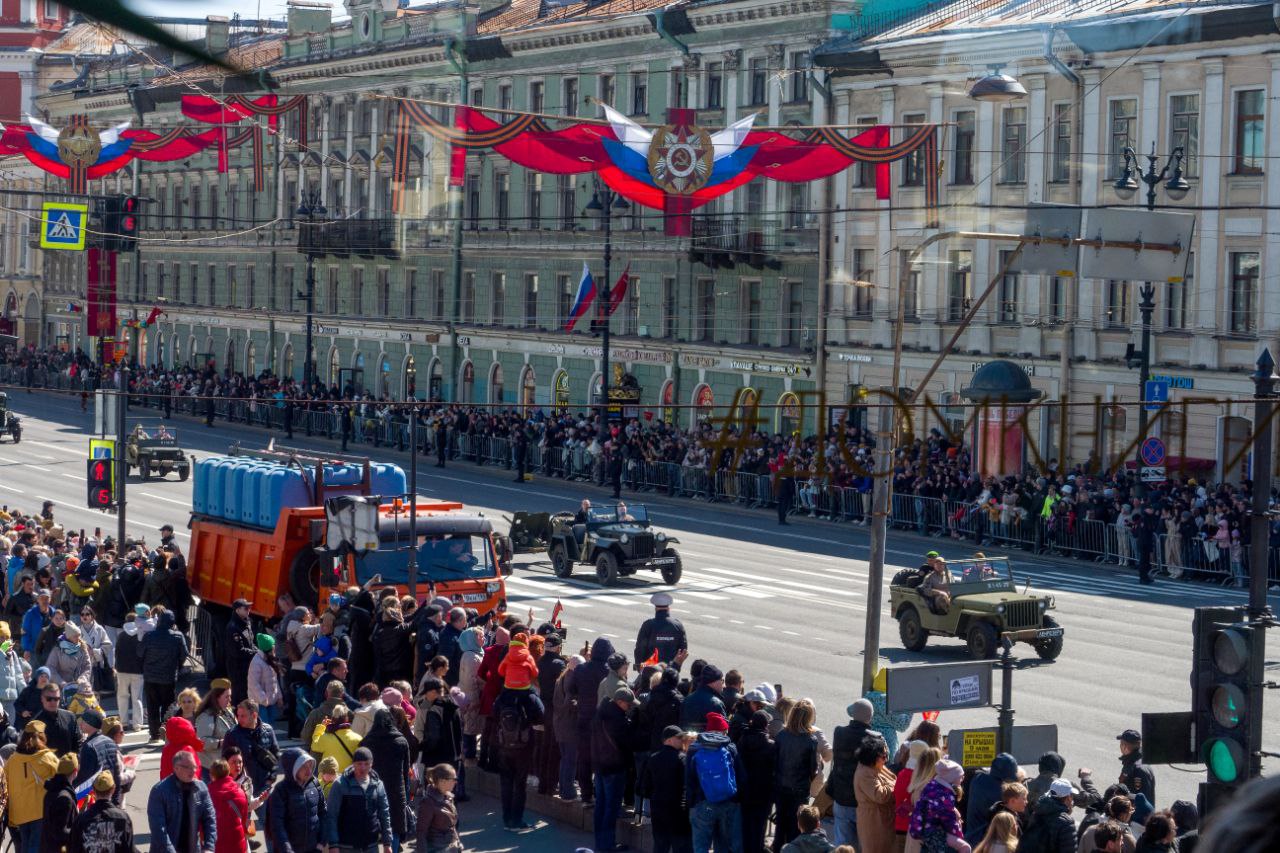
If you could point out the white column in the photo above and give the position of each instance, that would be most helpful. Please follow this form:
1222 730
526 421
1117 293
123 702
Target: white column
325 104
730 83
373 155
987 136
841 230
1090 173
1271 254
777 61
1038 136
1208 278
1149 128
348 181
934 276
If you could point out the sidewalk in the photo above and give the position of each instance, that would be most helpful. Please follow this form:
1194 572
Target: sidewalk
481 829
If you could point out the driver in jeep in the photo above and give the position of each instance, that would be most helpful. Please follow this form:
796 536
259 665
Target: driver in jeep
623 515
936 586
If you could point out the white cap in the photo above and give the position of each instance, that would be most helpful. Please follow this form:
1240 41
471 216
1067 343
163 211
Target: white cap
1062 788
660 599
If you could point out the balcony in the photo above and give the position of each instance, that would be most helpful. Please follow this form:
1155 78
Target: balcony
731 239
345 238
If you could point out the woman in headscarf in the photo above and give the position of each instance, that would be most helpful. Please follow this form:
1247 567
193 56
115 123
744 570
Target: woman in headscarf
70 659
391 762
471 641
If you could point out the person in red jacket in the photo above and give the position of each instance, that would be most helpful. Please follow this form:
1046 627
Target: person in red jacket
518 668
488 673
230 810
179 735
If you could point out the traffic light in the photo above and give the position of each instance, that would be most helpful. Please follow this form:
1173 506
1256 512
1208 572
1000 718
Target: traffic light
101 479
1227 677
111 222
120 222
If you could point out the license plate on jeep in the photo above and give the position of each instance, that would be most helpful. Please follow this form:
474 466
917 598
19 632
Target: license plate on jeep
663 561
1048 633
474 597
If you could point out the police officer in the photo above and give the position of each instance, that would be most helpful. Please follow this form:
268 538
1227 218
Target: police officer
1133 773
662 633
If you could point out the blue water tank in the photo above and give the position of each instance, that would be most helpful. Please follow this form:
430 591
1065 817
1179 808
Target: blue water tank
234 488
199 484
389 480
214 489
247 500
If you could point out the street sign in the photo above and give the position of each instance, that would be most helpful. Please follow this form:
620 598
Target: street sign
104 412
1049 220
1126 225
1152 451
62 225
1154 474
938 687
977 747
1156 394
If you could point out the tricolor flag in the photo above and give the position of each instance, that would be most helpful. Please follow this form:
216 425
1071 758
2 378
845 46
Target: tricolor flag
555 614
74 308
84 791
619 291
581 302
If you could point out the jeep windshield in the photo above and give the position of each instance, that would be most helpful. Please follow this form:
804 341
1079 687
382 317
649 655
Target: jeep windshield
610 514
448 549
969 576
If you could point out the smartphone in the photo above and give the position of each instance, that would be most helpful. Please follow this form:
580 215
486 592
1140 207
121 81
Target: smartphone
777 689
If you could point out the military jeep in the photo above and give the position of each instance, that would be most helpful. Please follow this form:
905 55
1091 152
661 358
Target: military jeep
617 540
986 608
9 422
155 454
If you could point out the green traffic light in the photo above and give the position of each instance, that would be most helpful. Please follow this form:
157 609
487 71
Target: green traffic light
1225 760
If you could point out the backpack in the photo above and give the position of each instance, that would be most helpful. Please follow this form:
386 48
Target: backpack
512 731
716 775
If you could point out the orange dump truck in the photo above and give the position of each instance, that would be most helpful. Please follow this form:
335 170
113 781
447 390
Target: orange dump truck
457 553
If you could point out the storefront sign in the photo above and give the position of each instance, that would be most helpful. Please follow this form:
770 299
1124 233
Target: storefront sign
766 367
1029 369
326 330
463 340
1184 383
640 355
687 360
858 357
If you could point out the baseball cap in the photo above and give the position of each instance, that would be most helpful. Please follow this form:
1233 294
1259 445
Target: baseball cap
931 555
362 754
44 593
753 696
1130 736
1062 788
239 602
624 694
164 527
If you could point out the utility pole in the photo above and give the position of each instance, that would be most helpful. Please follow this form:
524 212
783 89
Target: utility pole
455 53
1005 719
1146 306
1264 384
122 465
413 498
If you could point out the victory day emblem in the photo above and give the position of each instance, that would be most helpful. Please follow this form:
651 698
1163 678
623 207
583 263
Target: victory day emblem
681 157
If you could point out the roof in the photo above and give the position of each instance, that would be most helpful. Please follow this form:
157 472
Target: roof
250 55
526 14
87 39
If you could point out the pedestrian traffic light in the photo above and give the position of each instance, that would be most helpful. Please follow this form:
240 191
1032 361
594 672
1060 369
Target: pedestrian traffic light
1227 676
101 480
128 223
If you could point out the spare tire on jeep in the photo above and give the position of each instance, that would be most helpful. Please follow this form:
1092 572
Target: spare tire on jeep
907 577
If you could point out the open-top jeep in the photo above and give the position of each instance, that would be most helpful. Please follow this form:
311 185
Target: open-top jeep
9 422
156 454
985 607
617 540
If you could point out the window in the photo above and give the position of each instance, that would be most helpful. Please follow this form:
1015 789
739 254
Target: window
571 96
210 284
473 202
144 280
607 89
193 202
863 288
437 295
284 285
1008 292
355 303
410 293
564 299
864 172
958 284
568 214
502 198
962 157
232 288
800 76
1117 304
1058 297
477 96
679 96
639 93
1013 146
1244 289
669 306
793 318
251 291
631 308
468 297
1176 293
758 69
1060 171
1124 121
193 283
537 96
1184 131
911 299
331 292
497 314
531 301
913 163
706 314
715 85
751 313
504 98
755 200
534 184
1249 132
384 292
797 204
213 208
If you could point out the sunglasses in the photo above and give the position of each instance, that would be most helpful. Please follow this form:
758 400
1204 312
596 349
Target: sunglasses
52 698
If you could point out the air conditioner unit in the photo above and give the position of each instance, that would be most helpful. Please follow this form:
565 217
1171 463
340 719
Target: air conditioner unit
642 331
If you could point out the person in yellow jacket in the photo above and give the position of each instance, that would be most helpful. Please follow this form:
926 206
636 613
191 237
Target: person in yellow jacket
333 738
26 771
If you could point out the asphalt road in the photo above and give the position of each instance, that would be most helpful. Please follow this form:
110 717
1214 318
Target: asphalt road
782 605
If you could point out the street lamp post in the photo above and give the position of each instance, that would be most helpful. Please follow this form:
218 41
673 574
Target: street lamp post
310 208
1264 394
1176 188
604 201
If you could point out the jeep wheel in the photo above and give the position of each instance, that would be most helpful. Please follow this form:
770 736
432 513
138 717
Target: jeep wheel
671 574
913 634
1049 649
607 569
16 432
982 641
184 472
560 562
144 470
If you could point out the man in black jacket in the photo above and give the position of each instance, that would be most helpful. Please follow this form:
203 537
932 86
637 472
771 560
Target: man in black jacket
550 666
61 729
1053 830
98 753
240 650
662 633
428 622
845 743
59 807
448 644
162 651
1133 773
583 687
296 808
610 739
663 784
103 827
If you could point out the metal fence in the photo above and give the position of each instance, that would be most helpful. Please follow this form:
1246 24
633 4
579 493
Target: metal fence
982 526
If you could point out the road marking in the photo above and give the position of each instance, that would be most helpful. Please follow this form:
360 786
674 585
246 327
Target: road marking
70 476
166 500
710 596
51 447
791 633
764 627
9 461
708 616
12 489
737 622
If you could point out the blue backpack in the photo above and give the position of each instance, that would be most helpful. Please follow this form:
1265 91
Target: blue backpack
715 772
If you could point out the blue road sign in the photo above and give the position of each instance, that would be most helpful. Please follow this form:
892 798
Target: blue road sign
1156 394
1152 452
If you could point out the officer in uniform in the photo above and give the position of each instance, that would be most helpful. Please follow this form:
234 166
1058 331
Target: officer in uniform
662 633
1133 773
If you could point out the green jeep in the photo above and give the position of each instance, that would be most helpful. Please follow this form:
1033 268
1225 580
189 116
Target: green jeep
985 607
616 540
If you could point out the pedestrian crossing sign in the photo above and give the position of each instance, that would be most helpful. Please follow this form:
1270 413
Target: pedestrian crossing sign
62 225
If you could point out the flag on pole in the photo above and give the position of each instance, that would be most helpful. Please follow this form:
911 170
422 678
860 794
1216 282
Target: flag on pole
582 301
84 791
458 154
619 291
555 614
156 314
653 660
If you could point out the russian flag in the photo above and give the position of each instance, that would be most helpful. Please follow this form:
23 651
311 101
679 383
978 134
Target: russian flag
581 302
84 791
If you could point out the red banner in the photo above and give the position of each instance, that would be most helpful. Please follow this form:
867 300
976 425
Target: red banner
102 293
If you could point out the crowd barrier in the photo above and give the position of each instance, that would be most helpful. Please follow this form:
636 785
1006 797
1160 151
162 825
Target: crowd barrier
990 526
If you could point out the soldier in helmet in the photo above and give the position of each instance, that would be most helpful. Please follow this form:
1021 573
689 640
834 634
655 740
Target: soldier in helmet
662 634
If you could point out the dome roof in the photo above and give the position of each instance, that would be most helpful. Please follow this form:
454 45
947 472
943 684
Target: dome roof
1000 380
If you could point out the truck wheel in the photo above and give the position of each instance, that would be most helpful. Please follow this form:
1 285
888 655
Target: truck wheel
17 434
211 629
671 574
982 641
304 578
184 472
1049 649
560 562
910 630
144 470
607 569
